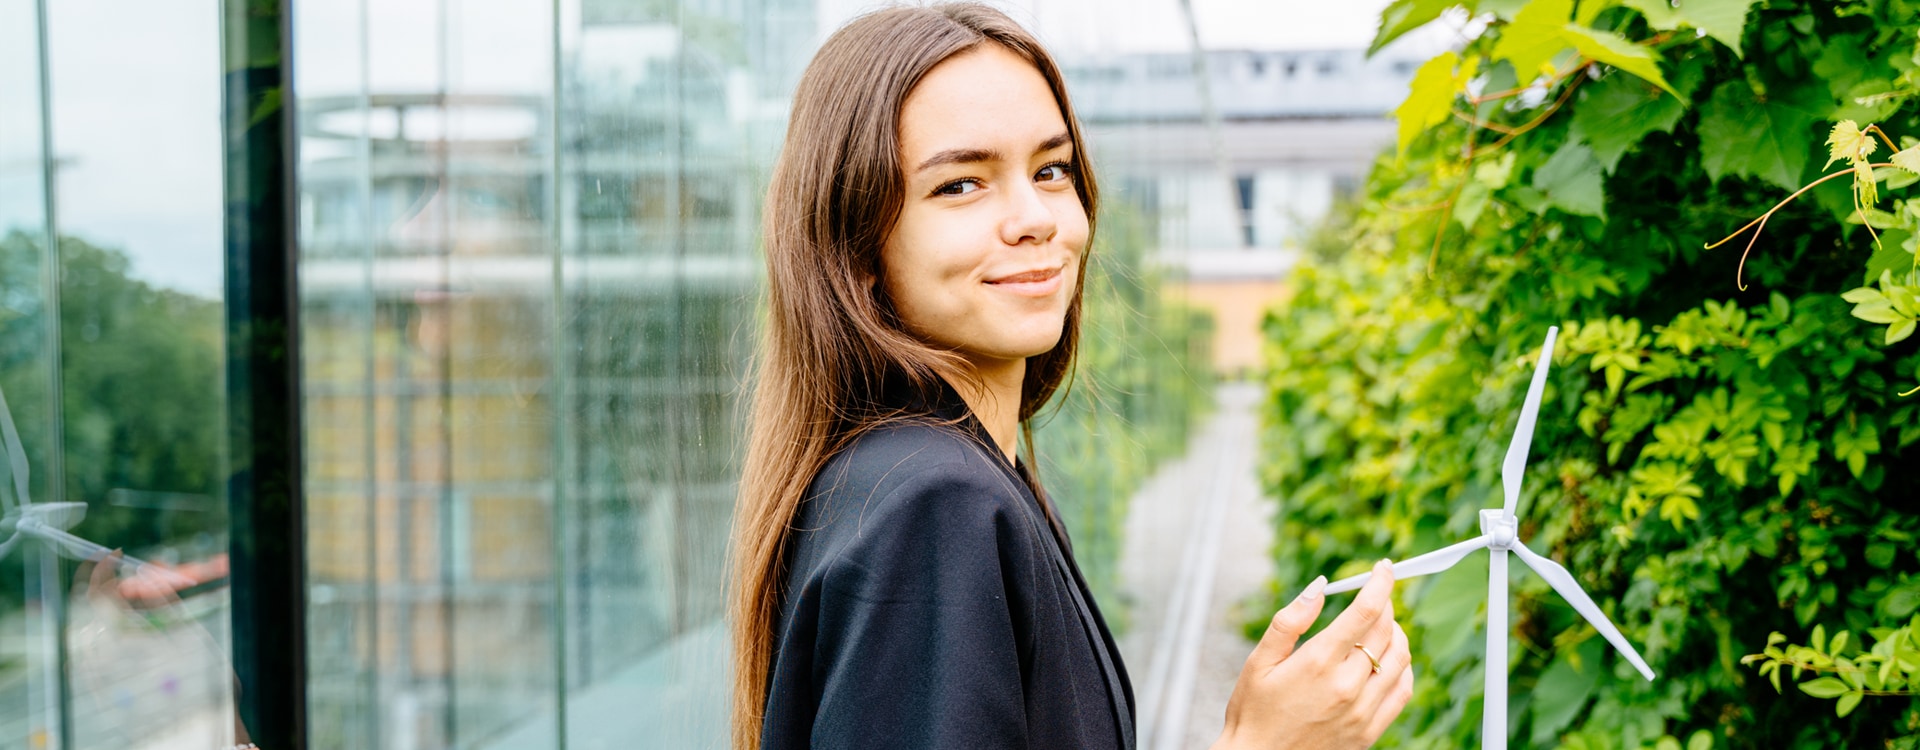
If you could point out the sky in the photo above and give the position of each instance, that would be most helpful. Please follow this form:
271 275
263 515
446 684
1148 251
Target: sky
136 92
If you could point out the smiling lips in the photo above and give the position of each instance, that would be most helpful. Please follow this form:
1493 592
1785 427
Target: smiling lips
1036 283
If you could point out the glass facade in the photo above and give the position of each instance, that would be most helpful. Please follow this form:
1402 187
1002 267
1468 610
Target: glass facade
112 378
526 241
528 281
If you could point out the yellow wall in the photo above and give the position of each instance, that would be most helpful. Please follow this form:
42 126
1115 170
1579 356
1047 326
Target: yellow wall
1238 307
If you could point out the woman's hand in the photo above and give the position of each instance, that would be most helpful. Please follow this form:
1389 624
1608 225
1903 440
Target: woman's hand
1323 694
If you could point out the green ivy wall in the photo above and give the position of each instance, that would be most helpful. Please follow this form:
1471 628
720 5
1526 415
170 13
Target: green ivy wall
1723 456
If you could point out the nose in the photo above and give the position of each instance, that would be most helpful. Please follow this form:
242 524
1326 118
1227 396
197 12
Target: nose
1028 218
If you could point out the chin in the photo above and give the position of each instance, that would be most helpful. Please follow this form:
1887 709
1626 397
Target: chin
1038 345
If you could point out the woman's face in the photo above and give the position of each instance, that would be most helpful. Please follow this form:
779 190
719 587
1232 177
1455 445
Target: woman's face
986 253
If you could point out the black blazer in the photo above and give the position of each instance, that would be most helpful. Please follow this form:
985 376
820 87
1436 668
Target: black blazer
928 603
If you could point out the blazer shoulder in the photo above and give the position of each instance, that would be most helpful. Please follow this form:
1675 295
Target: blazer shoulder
909 484
884 459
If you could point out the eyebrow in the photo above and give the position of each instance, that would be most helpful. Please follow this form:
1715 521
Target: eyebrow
975 155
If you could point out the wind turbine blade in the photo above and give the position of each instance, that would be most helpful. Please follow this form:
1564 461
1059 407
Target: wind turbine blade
1427 564
1516 464
68 545
1493 719
76 548
16 456
1563 582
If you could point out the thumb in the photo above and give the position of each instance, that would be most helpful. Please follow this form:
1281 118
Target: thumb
1292 621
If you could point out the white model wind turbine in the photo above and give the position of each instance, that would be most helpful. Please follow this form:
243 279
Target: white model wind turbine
48 522
1499 534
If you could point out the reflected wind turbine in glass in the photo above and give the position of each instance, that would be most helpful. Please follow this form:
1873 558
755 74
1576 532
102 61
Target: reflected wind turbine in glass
48 522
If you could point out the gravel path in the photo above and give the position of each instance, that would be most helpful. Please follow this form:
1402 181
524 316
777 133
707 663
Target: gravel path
1196 546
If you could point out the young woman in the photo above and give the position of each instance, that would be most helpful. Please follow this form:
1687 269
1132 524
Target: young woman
901 580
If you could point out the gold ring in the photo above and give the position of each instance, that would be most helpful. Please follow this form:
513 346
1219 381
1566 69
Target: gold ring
1370 658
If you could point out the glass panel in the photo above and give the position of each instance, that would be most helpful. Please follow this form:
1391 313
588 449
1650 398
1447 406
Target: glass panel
111 367
427 306
32 605
528 271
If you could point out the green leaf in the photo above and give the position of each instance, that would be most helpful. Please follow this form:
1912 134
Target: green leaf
1871 100
1907 159
1901 601
1573 181
1742 135
1430 98
1847 703
1724 20
1876 312
1494 174
1880 555
1824 687
1676 509
1504 9
1855 444
1865 294
1616 50
1563 690
1701 740
268 106
1873 217
1617 112
1473 199
1404 16
1899 331
1889 256
1846 143
1843 63
1660 14
1534 37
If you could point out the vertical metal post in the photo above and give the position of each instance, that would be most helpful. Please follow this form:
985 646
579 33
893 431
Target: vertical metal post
447 220
264 480
370 608
52 595
560 376
1209 114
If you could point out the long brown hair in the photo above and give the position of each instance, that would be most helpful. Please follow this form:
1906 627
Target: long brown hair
831 344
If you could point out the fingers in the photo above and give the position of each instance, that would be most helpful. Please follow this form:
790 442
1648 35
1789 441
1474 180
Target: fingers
1361 619
1287 625
103 575
1395 662
1379 637
1395 700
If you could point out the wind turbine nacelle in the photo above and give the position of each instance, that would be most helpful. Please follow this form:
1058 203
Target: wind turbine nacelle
61 516
1500 529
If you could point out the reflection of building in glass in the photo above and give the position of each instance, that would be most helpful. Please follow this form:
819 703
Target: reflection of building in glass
523 353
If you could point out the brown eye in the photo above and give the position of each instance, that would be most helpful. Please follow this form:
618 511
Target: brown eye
1054 172
958 187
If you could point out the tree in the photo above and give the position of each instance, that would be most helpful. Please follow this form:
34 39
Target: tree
141 394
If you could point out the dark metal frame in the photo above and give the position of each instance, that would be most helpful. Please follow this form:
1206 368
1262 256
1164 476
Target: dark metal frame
265 487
